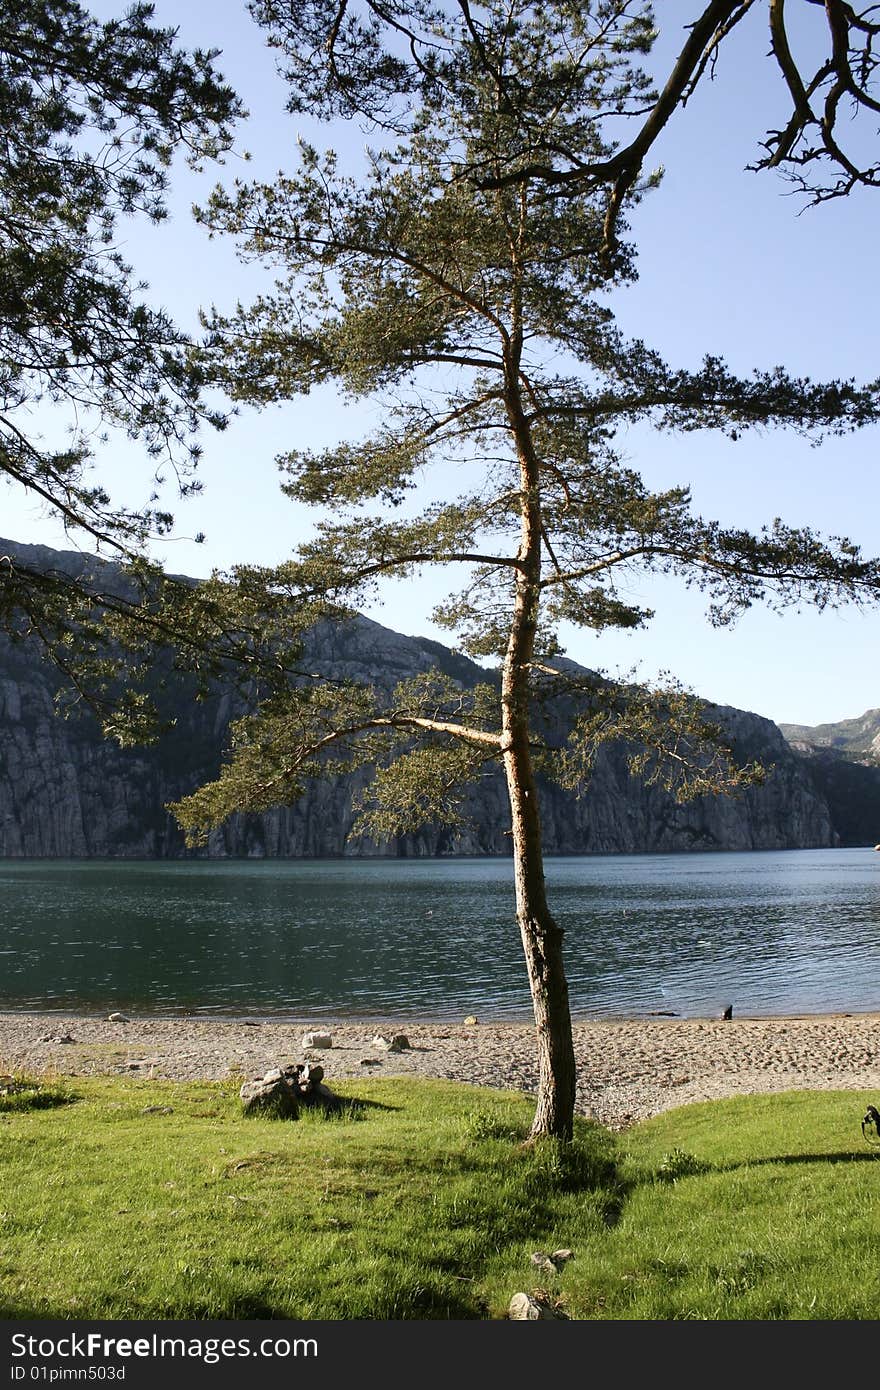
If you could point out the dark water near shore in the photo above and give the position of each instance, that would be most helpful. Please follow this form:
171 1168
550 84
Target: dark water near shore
769 933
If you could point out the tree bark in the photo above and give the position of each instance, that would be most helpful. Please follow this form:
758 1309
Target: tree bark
542 946
541 936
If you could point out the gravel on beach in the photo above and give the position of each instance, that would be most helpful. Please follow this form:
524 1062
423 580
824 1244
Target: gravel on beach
628 1069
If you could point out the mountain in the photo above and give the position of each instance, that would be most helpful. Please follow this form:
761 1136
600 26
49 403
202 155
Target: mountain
843 761
857 739
66 792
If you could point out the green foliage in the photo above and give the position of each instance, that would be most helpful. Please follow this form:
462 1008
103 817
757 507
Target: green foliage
422 787
320 729
91 115
671 738
381 61
678 1163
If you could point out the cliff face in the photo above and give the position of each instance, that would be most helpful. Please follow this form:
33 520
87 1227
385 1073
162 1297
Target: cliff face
843 761
65 792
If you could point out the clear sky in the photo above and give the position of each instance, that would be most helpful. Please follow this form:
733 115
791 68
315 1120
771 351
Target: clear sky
728 263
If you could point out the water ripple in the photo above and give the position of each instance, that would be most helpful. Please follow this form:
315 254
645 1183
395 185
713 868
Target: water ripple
786 933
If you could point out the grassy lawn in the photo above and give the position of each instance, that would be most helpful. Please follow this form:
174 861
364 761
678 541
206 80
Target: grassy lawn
139 1199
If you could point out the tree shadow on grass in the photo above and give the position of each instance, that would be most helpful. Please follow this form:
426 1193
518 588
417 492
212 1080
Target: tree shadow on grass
359 1104
349 1108
17 1098
431 1299
844 1156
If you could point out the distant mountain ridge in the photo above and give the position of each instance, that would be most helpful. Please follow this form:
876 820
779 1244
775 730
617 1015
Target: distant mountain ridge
856 738
66 792
843 760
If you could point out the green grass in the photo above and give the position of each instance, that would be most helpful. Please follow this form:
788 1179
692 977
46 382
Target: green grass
19 1092
131 1198
780 1223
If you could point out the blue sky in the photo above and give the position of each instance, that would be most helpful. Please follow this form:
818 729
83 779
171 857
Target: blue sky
728 263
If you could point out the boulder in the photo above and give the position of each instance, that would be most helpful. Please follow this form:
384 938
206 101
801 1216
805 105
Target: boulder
319 1040
281 1091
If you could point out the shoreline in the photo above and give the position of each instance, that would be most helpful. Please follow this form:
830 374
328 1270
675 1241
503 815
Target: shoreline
328 1018
628 1068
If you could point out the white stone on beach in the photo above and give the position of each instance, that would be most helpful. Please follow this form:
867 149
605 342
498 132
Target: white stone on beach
317 1040
397 1042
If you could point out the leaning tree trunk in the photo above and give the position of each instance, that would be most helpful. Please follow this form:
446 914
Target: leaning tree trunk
542 945
541 937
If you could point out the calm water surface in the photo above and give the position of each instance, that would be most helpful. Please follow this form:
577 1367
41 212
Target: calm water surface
769 933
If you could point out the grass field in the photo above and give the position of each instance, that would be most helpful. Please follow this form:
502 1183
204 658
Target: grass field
139 1199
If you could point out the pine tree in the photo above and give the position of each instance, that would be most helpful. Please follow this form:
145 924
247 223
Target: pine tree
457 286
92 114
359 57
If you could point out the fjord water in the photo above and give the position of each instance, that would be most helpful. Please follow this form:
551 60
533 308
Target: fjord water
768 933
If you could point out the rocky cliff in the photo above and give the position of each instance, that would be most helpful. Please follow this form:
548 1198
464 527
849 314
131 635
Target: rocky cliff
843 761
65 792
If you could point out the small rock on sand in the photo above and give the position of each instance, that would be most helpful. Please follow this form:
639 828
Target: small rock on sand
396 1042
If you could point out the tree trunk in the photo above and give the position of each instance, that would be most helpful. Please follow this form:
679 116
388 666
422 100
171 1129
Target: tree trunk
541 937
542 945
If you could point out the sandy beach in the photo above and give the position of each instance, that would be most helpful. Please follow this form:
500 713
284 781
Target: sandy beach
627 1070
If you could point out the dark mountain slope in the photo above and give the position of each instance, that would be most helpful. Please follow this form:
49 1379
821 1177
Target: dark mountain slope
843 760
66 792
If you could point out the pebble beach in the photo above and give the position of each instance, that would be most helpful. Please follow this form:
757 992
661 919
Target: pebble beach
628 1070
